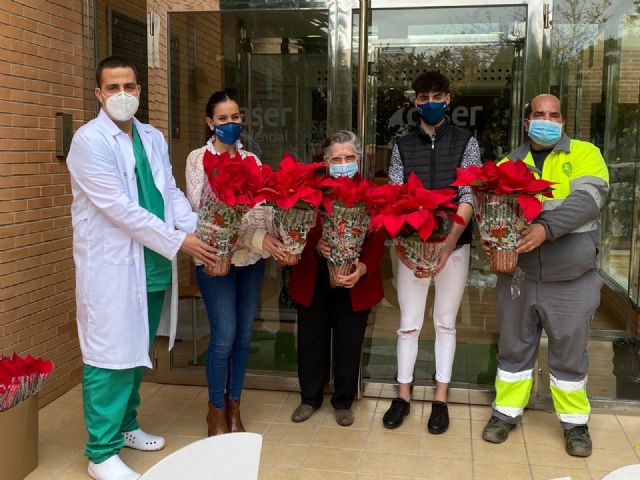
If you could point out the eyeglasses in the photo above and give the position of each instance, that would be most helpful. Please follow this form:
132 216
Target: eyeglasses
345 159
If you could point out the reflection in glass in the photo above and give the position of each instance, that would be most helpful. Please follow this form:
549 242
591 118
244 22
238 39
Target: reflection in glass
481 51
276 64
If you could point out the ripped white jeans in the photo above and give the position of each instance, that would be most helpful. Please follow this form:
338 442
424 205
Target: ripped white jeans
412 297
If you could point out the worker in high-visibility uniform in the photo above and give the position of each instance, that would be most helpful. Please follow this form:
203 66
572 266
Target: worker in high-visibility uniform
560 290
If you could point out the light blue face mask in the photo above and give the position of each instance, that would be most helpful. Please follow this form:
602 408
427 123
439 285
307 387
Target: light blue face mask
545 132
343 169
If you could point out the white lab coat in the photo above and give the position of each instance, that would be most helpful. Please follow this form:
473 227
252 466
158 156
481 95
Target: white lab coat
110 230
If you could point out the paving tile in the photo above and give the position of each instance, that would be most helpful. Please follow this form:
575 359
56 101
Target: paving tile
293 434
277 473
602 421
341 460
602 459
538 417
341 438
480 412
615 440
432 468
259 413
457 448
392 441
402 465
546 473
504 452
544 435
310 474
629 423
276 455
550 455
500 471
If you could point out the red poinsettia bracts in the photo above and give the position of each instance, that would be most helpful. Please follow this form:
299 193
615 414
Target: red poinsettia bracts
233 180
21 378
294 182
347 191
411 207
507 178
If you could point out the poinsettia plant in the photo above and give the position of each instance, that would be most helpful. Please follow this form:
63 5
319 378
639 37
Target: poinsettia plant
21 378
294 184
345 221
507 178
409 207
234 180
230 190
346 192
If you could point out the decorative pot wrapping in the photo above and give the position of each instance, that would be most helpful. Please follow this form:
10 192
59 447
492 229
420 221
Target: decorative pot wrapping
291 227
422 256
218 226
344 232
500 220
419 255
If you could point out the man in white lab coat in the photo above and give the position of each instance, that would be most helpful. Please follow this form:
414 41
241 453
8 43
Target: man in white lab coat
129 222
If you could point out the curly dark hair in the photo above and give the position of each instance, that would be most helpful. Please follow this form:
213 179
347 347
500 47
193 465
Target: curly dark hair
432 81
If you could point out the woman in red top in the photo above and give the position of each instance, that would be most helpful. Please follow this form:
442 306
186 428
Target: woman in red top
323 309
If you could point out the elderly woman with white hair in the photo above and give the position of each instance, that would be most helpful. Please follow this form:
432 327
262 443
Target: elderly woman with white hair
329 314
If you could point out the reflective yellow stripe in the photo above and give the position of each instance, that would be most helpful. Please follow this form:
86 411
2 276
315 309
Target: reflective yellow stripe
513 389
570 402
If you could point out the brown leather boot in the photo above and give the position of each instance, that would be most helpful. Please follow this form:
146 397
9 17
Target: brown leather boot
217 421
234 421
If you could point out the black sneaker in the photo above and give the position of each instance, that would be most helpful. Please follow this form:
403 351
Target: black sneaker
439 418
394 416
578 441
497 430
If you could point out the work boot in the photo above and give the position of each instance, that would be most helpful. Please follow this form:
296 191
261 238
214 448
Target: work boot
497 430
217 421
578 441
302 413
232 409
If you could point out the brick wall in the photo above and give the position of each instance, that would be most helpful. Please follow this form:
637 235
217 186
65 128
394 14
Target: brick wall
41 73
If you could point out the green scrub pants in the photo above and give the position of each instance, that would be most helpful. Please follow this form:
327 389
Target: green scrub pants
111 397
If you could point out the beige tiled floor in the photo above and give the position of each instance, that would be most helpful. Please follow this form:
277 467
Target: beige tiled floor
320 449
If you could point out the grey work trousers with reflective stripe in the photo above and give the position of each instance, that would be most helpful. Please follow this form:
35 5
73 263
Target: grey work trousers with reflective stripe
563 309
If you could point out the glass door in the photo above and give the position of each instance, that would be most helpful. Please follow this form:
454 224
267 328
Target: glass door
276 63
482 51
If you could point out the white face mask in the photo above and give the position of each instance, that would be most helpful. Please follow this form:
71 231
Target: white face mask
122 106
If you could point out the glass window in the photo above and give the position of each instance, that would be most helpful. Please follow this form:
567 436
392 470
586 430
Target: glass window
595 45
595 49
481 51
275 62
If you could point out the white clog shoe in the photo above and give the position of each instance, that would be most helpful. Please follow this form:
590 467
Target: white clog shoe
111 469
139 440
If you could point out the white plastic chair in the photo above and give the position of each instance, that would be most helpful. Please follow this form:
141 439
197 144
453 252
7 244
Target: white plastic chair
230 456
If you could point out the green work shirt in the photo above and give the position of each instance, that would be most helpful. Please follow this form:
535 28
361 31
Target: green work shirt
157 267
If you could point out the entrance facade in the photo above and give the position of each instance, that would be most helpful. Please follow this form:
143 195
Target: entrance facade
303 69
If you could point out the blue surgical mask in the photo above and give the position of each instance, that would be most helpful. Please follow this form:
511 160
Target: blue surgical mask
228 133
432 112
343 170
545 132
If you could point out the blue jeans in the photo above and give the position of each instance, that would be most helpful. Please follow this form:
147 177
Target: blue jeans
231 302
